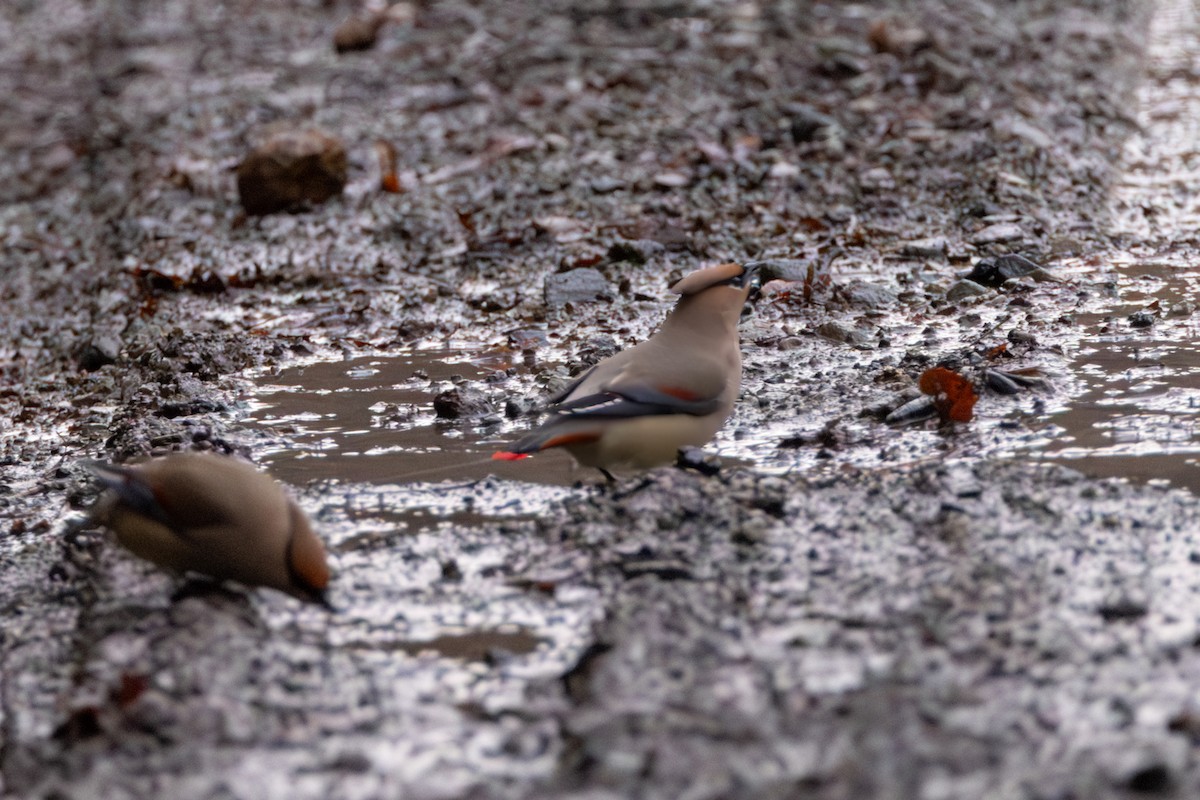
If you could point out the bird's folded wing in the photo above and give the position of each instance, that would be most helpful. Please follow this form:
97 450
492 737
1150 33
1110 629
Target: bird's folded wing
189 509
638 401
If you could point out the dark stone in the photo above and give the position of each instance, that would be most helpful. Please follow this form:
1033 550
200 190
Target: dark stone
99 352
357 33
187 408
995 271
807 122
291 169
696 459
597 349
638 251
1141 319
1123 609
516 407
461 402
1154 779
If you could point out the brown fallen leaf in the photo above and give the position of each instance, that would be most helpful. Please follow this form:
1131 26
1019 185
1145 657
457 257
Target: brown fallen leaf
953 395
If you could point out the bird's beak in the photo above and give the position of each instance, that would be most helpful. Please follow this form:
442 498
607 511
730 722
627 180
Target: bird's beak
752 279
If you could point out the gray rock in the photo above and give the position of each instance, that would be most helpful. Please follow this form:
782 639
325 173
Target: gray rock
869 295
807 123
584 285
841 332
998 233
964 289
782 269
1141 319
931 247
1018 336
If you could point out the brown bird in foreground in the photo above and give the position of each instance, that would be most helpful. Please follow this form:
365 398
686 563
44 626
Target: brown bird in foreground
215 515
676 389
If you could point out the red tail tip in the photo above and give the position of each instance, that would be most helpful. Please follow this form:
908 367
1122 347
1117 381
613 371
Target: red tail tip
500 455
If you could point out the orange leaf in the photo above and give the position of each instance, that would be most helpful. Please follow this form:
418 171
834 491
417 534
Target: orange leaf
500 455
953 395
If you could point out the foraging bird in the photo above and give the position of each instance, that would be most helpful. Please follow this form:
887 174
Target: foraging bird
638 408
217 516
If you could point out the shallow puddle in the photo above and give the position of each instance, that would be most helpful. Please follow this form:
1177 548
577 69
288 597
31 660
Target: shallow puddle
371 420
369 423
1140 359
1137 417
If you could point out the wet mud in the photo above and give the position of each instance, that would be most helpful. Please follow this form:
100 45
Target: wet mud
854 606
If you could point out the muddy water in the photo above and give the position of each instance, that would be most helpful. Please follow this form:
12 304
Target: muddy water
1137 416
1140 359
371 420
369 423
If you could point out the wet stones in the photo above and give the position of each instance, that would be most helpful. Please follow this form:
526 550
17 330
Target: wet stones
869 295
841 332
290 170
361 31
606 185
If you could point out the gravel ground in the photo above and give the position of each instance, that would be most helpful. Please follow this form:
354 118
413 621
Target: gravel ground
848 610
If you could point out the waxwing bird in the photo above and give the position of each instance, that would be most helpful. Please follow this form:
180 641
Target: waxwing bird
638 408
215 515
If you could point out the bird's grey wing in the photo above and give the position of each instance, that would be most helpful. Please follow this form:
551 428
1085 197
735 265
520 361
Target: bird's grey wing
640 399
179 509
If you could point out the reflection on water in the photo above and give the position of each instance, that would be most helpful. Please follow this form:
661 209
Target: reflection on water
1137 418
371 420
